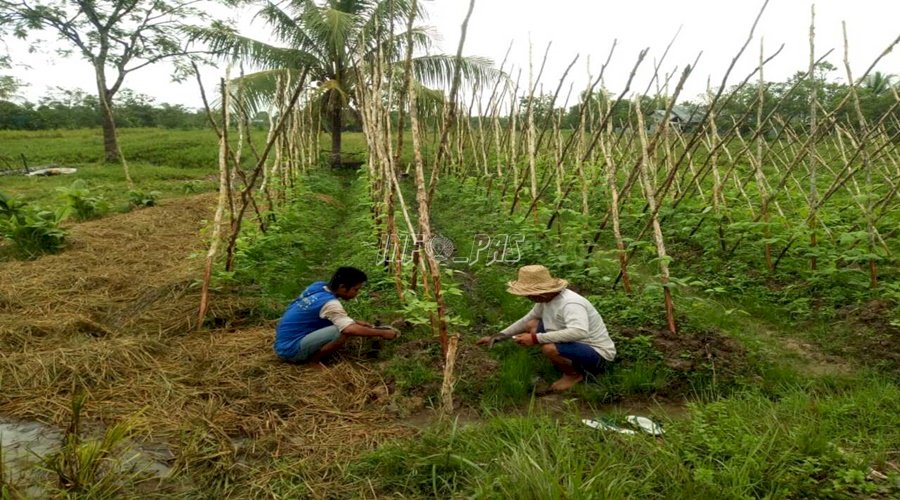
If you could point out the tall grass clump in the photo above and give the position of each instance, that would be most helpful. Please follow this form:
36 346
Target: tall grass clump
8 489
814 441
92 468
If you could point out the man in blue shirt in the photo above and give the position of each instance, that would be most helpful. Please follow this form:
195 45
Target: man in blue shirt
316 324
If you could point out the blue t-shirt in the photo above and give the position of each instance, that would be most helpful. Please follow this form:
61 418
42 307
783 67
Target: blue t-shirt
301 318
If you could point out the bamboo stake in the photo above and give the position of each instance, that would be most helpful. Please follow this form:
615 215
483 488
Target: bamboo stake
580 145
760 154
425 221
867 210
513 159
530 147
448 376
220 205
251 182
448 347
718 199
267 175
813 131
611 173
529 131
586 155
450 107
657 230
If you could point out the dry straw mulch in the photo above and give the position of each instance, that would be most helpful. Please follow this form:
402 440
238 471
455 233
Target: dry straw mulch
113 315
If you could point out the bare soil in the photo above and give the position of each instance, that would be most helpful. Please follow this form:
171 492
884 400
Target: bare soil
865 334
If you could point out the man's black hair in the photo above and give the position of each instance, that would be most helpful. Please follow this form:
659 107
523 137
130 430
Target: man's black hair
348 277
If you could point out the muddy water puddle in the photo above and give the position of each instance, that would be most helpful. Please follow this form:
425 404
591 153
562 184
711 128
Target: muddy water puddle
26 444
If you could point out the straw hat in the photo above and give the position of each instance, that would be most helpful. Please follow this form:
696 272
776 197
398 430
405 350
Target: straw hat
535 280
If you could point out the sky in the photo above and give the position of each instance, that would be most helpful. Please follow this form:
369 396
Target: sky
580 27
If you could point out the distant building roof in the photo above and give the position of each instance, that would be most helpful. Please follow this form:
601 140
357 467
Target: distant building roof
682 114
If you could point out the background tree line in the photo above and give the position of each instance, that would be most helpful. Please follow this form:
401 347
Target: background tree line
877 95
877 98
73 109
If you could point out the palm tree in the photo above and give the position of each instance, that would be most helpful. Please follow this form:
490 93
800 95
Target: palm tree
329 39
878 83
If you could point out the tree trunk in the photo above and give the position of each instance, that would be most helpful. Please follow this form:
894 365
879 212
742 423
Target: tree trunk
110 141
336 116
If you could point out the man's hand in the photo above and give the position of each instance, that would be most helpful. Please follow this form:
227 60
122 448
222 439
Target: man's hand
491 340
363 323
524 339
390 334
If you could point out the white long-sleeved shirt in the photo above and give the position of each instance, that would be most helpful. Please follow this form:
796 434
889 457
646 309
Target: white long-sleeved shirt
569 317
334 311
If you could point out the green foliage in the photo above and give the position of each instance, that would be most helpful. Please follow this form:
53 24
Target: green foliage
812 442
513 382
191 187
84 205
9 206
643 377
74 109
32 231
142 199
637 348
9 85
892 291
636 310
280 262
412 373
420 311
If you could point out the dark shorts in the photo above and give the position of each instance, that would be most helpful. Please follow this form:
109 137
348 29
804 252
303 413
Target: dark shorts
583 356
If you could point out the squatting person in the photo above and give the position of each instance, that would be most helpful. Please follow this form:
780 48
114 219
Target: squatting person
569 330
316 324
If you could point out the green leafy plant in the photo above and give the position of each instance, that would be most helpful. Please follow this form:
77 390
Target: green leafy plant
84 205
412 373
9 206
419 311
33 231
637 348
143 199
191 187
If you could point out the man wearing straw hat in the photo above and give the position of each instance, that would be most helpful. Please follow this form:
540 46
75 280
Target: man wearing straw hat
568 328
316 324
